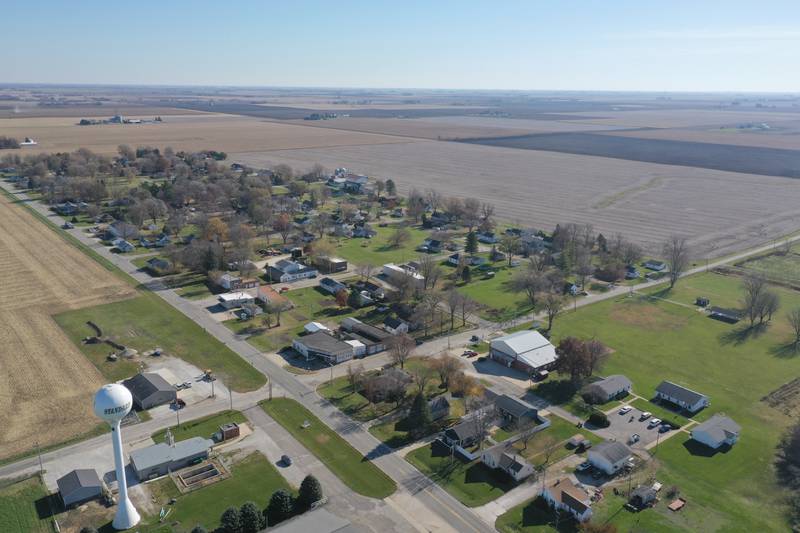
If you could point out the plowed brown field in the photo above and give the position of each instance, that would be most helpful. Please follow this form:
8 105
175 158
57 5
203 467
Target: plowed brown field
46 384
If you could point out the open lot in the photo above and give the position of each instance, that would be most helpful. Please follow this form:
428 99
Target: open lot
44 274
658 339
182 132
720 212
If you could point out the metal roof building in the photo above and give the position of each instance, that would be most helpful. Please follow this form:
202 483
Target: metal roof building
526 350
79 486
149 389
160 459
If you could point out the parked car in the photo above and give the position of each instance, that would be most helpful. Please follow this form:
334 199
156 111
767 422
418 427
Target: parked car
286 460
654 422
645 415
584 445
178 386
470 353
625 409
474 338
284 289
664 428
68 225
187 384
583 467
634 438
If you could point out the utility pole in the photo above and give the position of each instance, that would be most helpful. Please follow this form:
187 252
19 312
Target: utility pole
39 453
270 390
230 395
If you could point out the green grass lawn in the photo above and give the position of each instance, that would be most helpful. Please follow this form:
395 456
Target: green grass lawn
776 266
495 294
654 340
253 478
534 516
397 433
24 507
470 482
191 285
355 470
146 322
559 433
376 250
202 427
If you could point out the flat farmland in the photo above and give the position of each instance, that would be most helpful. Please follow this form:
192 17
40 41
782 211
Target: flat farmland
182 132
680 118
45 382
449 128
783 135
750 159
720 212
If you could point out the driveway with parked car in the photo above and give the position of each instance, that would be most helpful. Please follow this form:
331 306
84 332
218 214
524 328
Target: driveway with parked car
624 426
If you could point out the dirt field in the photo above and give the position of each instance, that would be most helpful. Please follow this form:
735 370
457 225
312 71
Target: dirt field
746 159
46 384
784 135
720 211
182 132
680 118
453 127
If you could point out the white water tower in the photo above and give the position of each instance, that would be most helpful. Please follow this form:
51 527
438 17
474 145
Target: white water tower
111 403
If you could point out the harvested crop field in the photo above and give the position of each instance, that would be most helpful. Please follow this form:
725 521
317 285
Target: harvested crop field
680 118
785 135
45 382
450 128
182 132
720 212
748 159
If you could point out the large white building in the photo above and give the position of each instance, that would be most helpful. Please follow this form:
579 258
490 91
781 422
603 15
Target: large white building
285 271
398 273
527 350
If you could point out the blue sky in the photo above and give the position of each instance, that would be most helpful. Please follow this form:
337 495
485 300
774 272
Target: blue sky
700 45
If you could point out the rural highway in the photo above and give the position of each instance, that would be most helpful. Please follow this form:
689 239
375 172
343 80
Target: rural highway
431 507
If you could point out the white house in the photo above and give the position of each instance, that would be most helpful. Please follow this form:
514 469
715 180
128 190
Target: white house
719 430
123 246
526 350
397 273
609 456
502 457
395 325
688 399
565 495
285 271
608 388
230 300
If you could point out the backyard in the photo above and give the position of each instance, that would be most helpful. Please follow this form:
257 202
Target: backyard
377 250
470 482
500 302
147 322
355 470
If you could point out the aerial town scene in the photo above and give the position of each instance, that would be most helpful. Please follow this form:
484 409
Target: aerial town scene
304 275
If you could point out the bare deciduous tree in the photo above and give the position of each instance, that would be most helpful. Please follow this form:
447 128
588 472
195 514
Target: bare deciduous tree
446 366
794 322
400 348
676 252
365 270
552 303
354 375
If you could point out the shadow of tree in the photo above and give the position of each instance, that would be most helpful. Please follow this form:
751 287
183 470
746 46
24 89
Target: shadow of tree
741 334
785 351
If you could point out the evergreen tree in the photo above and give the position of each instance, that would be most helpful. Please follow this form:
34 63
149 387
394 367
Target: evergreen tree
466 274
354 299
280 506
602 243
471 245
420 414
310 492
391 188
230 521
251 518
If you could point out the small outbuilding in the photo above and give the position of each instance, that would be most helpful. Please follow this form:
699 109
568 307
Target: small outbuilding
607 389
643 496
150 390
79 486
609 456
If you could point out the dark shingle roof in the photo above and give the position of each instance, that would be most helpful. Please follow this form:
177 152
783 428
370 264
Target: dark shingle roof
683 394
77 479
146 384
513 406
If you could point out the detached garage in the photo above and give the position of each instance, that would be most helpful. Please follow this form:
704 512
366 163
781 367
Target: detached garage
79 486
150 390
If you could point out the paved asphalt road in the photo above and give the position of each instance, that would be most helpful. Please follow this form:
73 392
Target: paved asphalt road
427 498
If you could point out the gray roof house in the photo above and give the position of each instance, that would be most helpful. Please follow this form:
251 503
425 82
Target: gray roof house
160 459
607 389
503 458
440 407
79 486
514 411
717 431
149 390
688 399
609 456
